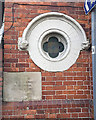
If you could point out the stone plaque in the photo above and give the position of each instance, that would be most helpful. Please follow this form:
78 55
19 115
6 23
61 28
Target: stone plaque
22 86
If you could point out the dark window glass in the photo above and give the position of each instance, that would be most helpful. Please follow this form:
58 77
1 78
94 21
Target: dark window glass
53 47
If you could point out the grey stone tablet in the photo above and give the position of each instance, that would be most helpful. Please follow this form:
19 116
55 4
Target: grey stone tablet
22 86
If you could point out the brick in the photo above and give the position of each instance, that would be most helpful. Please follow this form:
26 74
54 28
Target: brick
59 78
7 37
80 87
70 73
74 110
79 78
68 92
7 56
59 87
40 111
59 97
58 83
52 115
8 9
6 64
75 115
85 73
80 96
7 113
22 65
52 111
38 107
39 116
29 116
79 69
49 78
87 82
87 92
43 11
48 92
49 88
63 115
16 112
29 112
80 92
7 46
29 60
70 78
85 110
62 4
12 33
10 51
49 98
32 65
79 82
52 106
69 87
21 69
8 4
32 69
59 74
62 110
22 56
43 88
8 24
11 69
48 83
70 96
79 73
23 53
21 60
16 117
69 83
59 92
13 65
48 74
13 46
7 107
11 60
84 115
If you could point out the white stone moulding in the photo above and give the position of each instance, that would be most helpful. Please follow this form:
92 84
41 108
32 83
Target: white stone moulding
53 23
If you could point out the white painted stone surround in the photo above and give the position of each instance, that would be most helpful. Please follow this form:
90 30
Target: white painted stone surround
59 23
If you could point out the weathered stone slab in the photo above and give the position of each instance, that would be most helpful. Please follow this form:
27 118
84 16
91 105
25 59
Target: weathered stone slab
22 86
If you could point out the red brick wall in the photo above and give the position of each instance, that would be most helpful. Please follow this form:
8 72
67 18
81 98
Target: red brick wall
66 94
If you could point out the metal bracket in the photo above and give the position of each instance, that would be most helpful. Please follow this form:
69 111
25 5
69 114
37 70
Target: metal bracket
93 50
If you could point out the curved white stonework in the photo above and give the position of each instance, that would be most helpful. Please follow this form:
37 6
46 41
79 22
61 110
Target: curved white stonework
62 37
53 23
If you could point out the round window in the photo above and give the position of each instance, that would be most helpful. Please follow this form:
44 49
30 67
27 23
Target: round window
54 41
54 45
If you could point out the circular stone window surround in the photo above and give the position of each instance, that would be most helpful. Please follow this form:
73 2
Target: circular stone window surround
62 37
66 29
